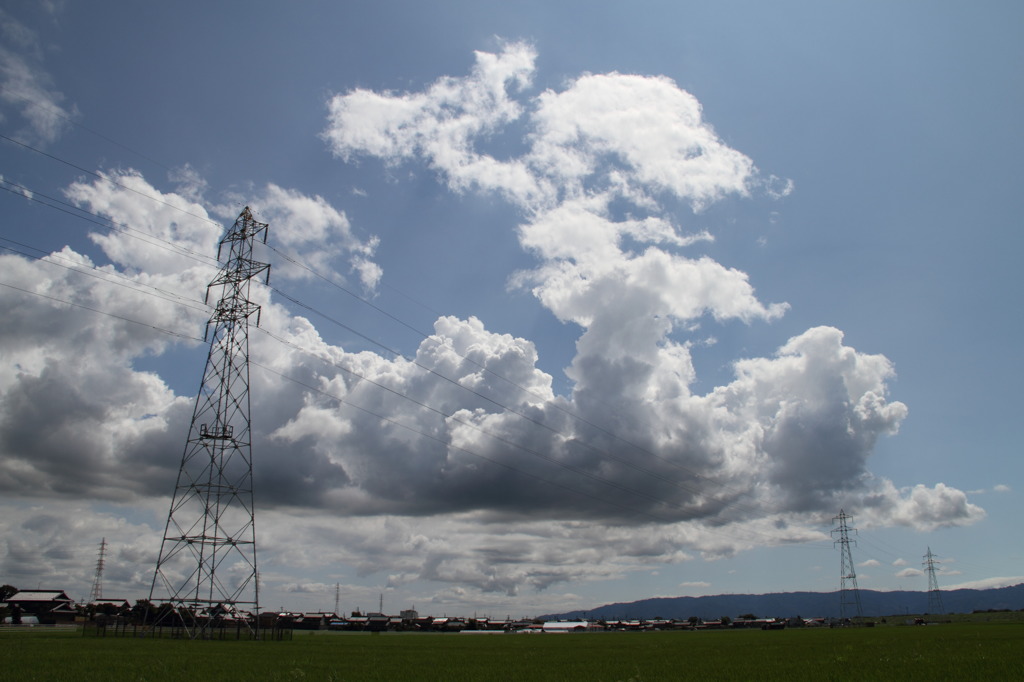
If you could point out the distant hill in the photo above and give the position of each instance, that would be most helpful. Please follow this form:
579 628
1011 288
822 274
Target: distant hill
805 604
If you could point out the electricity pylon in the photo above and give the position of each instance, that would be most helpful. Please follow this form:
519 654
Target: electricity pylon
97 583
934 595
206 571
849 594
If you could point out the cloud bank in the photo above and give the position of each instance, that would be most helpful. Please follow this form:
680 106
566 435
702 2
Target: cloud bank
460 465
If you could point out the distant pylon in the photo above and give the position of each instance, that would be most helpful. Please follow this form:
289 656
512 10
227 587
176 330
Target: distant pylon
934 595
849 594
97 583
206 570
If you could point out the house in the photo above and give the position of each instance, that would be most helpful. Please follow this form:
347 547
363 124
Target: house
357 622
318 620
377 622
273 619
50 607
104 611
110 607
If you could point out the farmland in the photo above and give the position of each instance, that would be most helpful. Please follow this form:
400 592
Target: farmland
993 650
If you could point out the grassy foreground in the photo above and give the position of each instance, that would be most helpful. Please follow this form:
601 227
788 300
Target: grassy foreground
947 652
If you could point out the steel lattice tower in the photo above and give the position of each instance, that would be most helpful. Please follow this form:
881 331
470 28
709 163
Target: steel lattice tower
206 571
849 594
97 583
934 595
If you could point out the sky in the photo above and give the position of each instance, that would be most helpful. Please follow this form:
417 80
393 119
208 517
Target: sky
572 303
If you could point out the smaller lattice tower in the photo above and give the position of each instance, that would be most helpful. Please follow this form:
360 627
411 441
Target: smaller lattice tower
97 582
337 598
849 594
934 595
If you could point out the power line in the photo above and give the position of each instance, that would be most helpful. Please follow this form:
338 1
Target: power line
57 111
878 546
506 441
487 370
575 470
512 410
52 259
105 223
554 404
490 434
441 376
107 179
448 444
625 462
331 282
379 416
360 408
103 312
621 460
748 533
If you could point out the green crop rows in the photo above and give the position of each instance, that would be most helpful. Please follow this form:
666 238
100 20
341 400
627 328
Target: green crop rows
957 651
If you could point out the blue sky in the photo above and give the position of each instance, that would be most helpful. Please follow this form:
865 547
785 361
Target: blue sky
755 264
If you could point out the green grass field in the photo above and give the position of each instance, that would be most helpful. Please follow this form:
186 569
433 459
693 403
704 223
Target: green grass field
957 651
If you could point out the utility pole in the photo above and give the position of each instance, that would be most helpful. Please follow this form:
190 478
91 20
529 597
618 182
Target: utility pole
849 594
97 583
206 570
934 595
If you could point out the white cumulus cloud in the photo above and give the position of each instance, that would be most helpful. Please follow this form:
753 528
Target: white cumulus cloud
460 465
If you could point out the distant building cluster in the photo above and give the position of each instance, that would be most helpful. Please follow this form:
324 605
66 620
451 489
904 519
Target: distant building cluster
410 621
54 607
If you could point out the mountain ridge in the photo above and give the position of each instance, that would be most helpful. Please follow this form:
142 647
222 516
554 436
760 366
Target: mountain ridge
874 604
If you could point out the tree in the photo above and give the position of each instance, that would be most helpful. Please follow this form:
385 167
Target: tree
143 612
6 592
726 620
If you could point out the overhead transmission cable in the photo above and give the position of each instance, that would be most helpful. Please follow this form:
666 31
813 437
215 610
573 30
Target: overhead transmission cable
447 444
570 413
107 223
390 420
575 470
103 312
748 532
506 441
446 343
639 448
107 179
625 462
499 404
572 469
479 429
128 283
57 111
